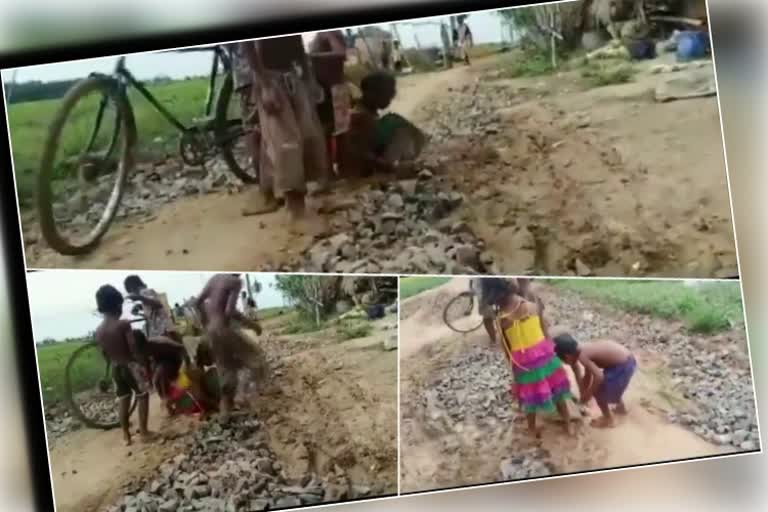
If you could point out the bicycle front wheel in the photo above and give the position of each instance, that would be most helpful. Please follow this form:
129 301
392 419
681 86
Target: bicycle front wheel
231 137
459 314
90 389
79 188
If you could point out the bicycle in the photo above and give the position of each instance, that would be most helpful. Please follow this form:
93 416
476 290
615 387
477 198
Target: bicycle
457 314
217 132
103 392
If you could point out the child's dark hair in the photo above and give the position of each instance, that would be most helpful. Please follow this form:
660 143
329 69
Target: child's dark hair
133 283
109 300
565 345
377 83
203 355
498 291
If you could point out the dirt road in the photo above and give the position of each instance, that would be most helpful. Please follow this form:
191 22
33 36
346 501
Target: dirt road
578 180
460 427
333 411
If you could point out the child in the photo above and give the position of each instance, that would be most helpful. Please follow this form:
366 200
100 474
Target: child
167 357
130 365
193 390
541 383
231 350
608 366
385 144
159 321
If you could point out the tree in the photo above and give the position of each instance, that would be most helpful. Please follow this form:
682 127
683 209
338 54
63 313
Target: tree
314 296
534 25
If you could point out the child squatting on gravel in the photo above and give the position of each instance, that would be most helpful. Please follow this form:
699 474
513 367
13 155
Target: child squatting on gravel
608 366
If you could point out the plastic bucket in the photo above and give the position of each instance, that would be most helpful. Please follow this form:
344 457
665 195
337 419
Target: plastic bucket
692 45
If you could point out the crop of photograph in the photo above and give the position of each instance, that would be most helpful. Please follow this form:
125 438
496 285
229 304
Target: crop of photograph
545 140
506 379
187 391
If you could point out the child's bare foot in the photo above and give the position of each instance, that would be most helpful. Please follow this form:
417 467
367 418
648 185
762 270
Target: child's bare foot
621 408
261 204
148 437
127 439
535 432
296 207
568 428
602 422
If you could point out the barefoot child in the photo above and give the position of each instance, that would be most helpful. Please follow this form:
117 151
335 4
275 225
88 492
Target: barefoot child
159 321
608 369
232 352
373 143
130 365
541 383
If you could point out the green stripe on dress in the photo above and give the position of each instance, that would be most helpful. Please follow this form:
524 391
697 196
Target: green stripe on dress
539 374
549 405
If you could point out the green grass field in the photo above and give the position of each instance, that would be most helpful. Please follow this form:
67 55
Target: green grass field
410 286
29 126
708 308
52 361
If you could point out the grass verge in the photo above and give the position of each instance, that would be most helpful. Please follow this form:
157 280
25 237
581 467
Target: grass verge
52 362
704 308
410 286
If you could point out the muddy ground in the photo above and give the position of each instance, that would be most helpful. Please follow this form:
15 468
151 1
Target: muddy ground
326 431
541 176
692 396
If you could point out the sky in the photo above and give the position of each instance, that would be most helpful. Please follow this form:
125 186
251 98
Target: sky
63 303
485 26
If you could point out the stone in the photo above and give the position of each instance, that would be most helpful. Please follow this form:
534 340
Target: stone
581 268
390 342
287 502
258 505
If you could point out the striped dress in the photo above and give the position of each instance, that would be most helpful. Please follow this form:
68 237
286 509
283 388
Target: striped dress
540 379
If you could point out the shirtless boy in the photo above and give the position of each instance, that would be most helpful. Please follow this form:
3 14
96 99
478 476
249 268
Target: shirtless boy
130 366
217 304
608 367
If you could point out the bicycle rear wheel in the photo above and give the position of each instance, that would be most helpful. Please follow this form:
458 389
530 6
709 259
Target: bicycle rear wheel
231 135
459 314
90 390
78 196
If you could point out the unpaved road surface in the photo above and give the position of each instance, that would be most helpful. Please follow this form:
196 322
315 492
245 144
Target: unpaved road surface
459 425
326 431
543 176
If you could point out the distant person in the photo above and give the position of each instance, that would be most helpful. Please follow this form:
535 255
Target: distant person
159 321
231 351
130 366
608 369
397 57
466 41
388 144
540 381
293 150
485 308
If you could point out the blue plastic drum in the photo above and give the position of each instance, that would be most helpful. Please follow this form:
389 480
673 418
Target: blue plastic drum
692 45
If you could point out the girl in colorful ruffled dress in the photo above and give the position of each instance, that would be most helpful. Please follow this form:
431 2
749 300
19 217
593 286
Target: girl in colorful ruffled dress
541 384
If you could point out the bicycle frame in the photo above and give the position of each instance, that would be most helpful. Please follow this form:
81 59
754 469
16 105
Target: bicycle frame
125 79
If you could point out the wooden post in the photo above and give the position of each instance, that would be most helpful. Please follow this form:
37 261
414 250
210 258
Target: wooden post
552 36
